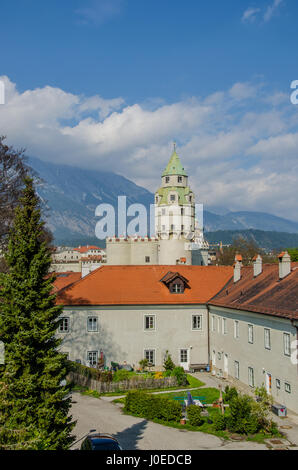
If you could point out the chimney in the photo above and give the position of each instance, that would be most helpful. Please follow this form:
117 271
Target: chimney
284 262
237 268
257 264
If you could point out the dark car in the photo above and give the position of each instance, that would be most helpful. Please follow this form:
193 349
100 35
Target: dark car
100 442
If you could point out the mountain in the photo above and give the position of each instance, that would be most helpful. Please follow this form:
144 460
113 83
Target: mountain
265 239
72 194
245 220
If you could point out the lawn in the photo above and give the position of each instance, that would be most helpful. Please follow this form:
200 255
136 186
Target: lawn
210 394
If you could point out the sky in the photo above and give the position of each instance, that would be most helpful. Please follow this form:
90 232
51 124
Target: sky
110 84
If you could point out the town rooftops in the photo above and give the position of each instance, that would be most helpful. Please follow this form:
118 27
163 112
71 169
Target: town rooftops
65 279
266 293
85 249
141 285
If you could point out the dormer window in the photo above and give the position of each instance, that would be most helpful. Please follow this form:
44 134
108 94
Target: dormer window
175 282
176 288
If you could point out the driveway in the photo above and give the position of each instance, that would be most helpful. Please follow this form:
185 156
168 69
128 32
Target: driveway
138 434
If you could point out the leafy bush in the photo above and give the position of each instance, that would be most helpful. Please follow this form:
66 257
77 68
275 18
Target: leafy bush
194 415
149 406
121 374
143 364
240 412
219 422
230 393
168 362
180 375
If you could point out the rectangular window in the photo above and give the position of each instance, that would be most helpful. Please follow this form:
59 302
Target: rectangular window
224 326
92 358
64 325
250 334
92 324
149 354
218 324
147 259
251 380
277 382
236 329
179 179
183 355
163 211
219 355
177 288
267 341
287 387
236 370
172 197
149 322
167 179
287 344
197 322
172 227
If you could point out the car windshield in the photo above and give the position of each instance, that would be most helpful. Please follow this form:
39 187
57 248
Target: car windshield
104 444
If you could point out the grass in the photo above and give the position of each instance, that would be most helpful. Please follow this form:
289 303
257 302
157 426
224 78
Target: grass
210 394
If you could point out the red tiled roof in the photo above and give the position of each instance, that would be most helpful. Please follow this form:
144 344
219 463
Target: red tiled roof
262 294
65 279
84 249
141 285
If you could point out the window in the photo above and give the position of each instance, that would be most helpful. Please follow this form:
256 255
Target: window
213 323
287 345
218 324
182 211
183 356
277 382
267 341
197 322
182 228
163 228
236 329
64 325
92 358
219 355
179 179
149 322
172 227
250 334
163 212
224 326
172 197
287 387
149 354
147 259
167 179
92 324
236 364
177 288
251 381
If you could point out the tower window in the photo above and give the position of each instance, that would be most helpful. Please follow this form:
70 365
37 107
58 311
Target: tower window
179 179
172 197
167 179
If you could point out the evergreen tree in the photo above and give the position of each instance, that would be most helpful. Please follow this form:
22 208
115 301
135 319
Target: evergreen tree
33 404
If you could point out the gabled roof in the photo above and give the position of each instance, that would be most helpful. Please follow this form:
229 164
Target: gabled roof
140 285
65 279
85 249
170 276
174 167
265 293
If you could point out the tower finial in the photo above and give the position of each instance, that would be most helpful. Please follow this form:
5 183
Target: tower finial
174 144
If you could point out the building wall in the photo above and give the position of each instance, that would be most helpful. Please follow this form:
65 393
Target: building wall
131 252
272 361
122 335
64 267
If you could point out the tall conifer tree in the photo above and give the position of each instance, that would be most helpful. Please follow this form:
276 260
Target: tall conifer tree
34 407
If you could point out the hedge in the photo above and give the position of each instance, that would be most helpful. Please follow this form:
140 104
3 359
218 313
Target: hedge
150 406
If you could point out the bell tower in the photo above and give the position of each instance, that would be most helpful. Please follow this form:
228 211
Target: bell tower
174 214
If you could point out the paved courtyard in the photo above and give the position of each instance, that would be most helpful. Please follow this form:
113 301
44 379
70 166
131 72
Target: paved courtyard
138 434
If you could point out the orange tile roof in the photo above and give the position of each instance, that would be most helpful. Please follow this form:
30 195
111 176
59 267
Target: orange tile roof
84 249
265 293
141 285
65 279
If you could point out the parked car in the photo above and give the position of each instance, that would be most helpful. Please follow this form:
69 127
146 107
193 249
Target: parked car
100 442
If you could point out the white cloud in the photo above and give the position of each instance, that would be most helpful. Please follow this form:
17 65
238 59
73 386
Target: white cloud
250 14
239 146
271 10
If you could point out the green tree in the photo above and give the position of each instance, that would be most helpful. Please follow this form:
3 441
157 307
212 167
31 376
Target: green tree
293 252
33 404
168 362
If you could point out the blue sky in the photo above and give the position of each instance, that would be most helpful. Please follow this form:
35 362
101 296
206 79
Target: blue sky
110 84
140 49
